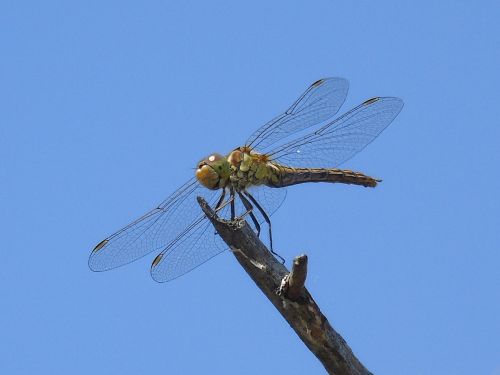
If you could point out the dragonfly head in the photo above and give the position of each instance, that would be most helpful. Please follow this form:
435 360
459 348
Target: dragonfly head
213 171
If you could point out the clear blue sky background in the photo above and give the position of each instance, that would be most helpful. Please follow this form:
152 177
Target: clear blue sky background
106 106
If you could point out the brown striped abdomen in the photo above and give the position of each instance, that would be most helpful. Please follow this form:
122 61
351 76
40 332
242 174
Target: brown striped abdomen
293 176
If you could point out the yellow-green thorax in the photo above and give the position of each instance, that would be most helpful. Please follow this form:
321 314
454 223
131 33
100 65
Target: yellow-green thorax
240 169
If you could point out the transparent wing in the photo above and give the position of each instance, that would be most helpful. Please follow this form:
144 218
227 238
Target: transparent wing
177 229
195 245
199 242
342 138
153 231
270 200
319 102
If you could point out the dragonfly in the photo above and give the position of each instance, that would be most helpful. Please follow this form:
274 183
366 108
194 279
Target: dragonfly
306 143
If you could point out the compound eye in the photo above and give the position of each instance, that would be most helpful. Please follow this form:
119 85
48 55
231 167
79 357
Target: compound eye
214 157
207 176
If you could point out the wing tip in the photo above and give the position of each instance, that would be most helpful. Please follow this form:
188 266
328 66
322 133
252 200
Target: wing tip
154 264
93 266
91 263
320 81
385 99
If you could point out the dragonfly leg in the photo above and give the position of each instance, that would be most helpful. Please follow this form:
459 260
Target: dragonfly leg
268 221
249 208
224 204
221 204
218 206
233 209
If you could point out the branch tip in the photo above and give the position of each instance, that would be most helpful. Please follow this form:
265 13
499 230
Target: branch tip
296 278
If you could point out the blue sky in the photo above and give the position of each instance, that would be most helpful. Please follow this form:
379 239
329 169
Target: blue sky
105 108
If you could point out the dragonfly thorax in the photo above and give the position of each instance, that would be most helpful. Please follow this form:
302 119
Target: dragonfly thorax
240 169
248 168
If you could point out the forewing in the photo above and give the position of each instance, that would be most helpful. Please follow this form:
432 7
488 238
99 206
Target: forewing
342 138
153 231
319 102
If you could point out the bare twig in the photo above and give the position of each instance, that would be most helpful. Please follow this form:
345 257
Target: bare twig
288 294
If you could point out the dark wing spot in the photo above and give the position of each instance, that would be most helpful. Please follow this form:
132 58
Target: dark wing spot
156 260
371 101
317 83
100 245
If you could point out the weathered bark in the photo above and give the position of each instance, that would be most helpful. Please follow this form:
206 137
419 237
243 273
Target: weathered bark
287 293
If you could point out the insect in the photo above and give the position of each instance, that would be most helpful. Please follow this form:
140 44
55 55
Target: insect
251 180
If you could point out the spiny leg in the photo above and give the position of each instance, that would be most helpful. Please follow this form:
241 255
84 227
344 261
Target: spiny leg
268 221
219 206
224 204
221 199
233 209
249 208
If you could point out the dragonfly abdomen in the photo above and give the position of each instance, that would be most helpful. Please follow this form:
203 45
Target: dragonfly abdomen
293 176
